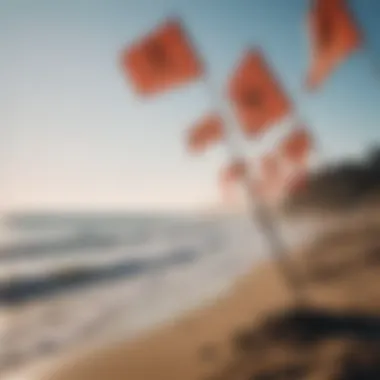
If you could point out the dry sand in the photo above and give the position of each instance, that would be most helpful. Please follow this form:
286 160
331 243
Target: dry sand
256 332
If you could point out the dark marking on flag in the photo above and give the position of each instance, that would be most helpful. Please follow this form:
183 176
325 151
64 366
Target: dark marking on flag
326 29
252 98
157 56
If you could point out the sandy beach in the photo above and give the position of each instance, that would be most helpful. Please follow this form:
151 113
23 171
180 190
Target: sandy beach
341 276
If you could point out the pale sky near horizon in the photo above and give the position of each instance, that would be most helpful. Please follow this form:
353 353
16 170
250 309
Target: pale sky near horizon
74 135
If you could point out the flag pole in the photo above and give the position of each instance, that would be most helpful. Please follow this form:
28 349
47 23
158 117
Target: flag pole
258 212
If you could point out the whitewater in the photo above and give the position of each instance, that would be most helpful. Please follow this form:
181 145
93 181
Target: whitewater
69 281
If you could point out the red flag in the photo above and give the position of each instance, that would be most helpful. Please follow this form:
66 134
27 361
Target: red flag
229 177
235 171
297 146
257 97
162 60
334 36
207 131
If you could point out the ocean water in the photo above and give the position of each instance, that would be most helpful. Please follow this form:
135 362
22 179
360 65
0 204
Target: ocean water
71 280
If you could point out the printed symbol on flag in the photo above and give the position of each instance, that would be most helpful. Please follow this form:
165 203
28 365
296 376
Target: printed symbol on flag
252 98
156 56
326 30
325 24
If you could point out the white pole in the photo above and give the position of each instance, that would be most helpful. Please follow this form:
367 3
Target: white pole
258 211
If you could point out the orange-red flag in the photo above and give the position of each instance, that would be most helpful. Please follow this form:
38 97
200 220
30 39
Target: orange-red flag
334 36
229 177
162 60
234 171
296 146
257 96
207 131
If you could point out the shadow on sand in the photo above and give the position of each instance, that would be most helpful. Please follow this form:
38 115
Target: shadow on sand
305 343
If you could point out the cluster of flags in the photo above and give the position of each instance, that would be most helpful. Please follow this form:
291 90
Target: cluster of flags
281 171
166 59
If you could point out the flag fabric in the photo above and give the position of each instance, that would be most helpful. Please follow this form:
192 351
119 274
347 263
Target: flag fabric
162 60
334 36
234 172
230 176
295 148
257 97
204 133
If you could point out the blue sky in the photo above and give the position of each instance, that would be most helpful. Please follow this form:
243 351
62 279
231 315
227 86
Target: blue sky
74 135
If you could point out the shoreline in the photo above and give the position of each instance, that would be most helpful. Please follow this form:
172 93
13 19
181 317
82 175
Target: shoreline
39 367
198 344
244 295
184 336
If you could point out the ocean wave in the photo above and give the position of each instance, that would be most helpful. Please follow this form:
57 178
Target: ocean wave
151 292
79 295
72 278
